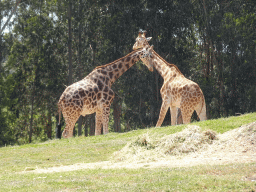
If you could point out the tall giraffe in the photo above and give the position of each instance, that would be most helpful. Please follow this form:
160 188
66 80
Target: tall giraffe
177 91
94 94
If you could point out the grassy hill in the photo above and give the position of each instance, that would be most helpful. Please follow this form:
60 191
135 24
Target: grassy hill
18 165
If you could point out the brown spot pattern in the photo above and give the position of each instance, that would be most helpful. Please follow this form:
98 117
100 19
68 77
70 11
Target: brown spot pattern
100 85
111 75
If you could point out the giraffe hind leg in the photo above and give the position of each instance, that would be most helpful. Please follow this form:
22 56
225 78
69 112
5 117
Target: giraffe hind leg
173 115
98 122
102 119
186 112
106 112
201 110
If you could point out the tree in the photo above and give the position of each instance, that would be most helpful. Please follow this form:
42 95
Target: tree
52 42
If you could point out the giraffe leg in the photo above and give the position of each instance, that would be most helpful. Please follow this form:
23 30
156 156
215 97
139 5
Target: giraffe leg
201 110
162 114
186 112
106 112
98 122
70 123
68 131
179 117
173 115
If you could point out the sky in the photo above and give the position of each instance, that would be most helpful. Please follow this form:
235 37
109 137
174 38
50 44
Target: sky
6 30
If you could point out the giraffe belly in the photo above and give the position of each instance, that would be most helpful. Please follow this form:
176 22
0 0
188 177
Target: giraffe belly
175 101
88 110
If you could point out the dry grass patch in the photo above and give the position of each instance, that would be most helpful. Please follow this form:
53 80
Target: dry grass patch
192 146
146 147
189 140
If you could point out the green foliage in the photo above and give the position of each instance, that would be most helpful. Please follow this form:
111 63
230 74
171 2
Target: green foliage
8 114
212 43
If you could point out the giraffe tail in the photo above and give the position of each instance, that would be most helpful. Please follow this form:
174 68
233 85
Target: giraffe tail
59 110
202 114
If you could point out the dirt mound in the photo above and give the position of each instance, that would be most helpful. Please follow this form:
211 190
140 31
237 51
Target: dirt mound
242 139
190 147
191 142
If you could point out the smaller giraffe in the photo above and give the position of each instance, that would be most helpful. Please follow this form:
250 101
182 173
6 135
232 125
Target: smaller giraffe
94 94
141 40
177 91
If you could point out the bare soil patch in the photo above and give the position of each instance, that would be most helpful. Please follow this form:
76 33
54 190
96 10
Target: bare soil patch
190 147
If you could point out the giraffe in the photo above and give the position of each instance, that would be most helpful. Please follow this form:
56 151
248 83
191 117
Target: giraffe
177 91
141 40
94 94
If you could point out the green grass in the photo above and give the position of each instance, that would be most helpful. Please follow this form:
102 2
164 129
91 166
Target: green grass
15 159
200 178
225 124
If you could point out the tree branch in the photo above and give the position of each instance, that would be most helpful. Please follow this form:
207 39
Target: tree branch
13 11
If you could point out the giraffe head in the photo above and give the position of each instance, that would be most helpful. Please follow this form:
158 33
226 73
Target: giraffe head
147 57
141 40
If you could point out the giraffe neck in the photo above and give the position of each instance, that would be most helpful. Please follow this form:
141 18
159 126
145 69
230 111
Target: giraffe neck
164 68
109 73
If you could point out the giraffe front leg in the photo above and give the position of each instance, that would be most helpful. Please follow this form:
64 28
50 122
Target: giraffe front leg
106 112
173 115
162 114
68 131
98 122
70 119
70 124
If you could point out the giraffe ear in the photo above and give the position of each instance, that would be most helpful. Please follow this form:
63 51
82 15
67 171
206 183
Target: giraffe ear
147 47
149 38
151 47
140 32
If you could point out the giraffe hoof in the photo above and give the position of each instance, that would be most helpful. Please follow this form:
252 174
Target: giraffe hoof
65 134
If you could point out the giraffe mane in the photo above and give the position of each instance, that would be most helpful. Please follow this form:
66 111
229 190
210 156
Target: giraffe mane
168 64
101 66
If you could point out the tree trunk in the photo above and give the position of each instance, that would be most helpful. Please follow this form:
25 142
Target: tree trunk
157 86
79 128
58 128
233 78
140 115
1 44
92 124
154 107
117 114
31 118
49 125
70 69
69 44
80 120
207 59
86 125
0 52
221 82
